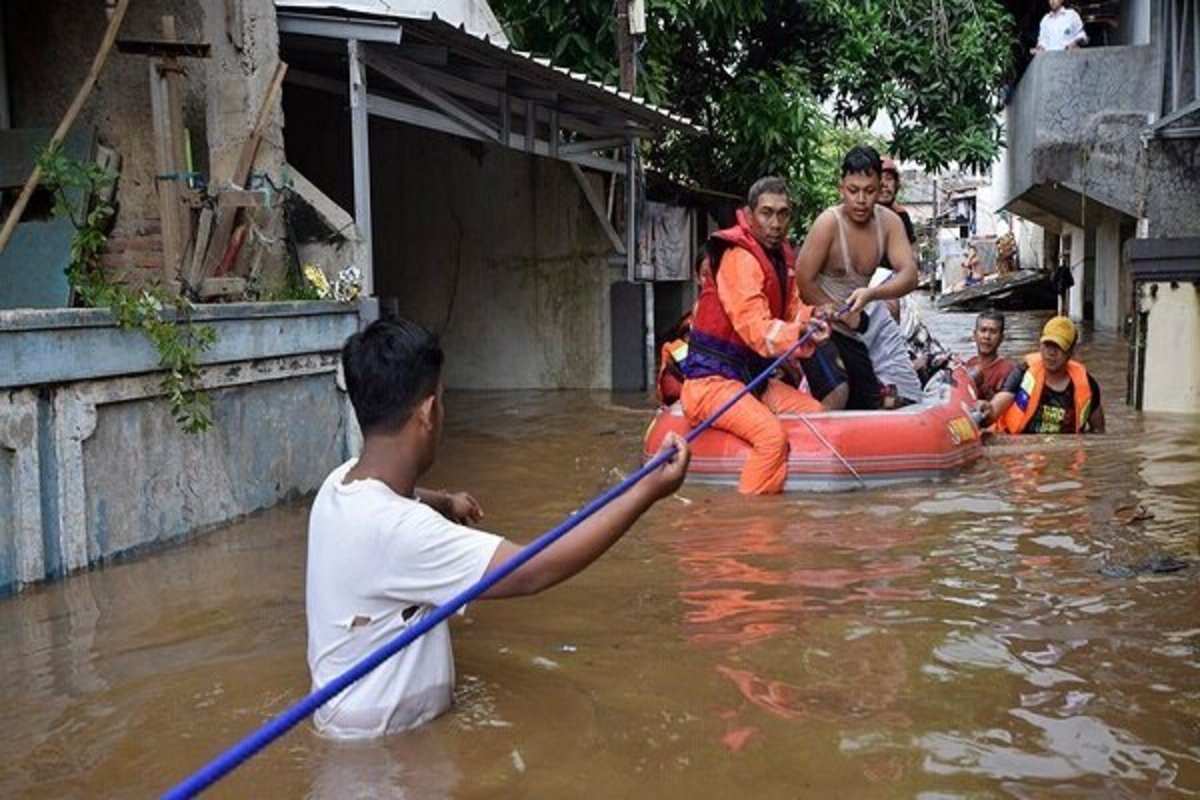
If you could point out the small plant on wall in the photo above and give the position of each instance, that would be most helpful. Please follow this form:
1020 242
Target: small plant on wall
79 190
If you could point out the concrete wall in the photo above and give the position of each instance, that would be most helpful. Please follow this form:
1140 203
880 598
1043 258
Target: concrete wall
1172 370
1173 191
1111 275
493 249
92 465
1074 128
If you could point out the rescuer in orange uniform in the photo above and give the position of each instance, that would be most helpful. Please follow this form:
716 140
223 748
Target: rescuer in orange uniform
748 314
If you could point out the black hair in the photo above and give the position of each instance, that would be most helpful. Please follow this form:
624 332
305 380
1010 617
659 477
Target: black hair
862 160
390 368
993 316
767 185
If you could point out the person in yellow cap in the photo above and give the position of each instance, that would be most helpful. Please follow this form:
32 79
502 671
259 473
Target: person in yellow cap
1049 392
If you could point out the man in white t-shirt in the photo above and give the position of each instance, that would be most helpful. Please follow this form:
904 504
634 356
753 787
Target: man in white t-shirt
382 553
1061 29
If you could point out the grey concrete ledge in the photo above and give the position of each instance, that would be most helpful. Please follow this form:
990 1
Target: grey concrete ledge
49 318
60 345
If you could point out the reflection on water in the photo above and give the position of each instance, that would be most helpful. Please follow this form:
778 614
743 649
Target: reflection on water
947 640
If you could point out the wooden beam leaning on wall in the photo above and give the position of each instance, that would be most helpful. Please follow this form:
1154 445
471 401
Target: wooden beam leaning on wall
225 216
175 199
170 150
68 119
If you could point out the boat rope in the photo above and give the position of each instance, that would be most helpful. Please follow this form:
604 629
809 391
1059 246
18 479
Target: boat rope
229 760
833 450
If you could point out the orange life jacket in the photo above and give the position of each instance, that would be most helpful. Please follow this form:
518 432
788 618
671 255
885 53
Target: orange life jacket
670 370
1029 396
715 347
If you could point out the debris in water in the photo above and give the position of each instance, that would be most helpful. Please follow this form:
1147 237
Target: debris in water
1127 515
518 762
568 648
1156 565
545 663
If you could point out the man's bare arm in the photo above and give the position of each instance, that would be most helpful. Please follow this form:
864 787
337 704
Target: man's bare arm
992 410
812 257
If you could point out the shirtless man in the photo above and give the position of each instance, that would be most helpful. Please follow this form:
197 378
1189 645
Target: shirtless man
865 365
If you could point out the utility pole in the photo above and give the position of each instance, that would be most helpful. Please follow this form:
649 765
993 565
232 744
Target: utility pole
630 21
625 54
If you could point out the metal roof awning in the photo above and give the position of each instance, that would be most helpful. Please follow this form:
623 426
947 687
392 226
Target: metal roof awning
456 73
428 72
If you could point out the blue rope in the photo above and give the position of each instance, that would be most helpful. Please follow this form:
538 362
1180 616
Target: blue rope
228 761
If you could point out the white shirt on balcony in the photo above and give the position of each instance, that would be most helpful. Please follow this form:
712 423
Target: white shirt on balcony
1061 28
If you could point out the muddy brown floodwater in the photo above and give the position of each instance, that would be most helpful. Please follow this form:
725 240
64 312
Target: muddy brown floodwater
930 641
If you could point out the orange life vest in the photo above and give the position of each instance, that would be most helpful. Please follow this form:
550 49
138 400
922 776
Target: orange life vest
1029 396
715 348
670 370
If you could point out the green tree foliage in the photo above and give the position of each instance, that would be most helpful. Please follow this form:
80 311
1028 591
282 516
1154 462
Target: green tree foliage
164 319
759 76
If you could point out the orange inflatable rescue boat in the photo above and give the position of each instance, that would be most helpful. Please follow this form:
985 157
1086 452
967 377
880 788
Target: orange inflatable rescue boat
930 440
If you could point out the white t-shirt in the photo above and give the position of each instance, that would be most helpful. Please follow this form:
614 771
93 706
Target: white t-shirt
1061 29
377 563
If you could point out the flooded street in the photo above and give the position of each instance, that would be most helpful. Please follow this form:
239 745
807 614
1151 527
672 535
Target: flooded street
932 641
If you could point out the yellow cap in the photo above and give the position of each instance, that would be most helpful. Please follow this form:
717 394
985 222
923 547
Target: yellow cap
1060 331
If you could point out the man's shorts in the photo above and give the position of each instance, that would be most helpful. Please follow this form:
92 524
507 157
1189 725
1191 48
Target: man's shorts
843 359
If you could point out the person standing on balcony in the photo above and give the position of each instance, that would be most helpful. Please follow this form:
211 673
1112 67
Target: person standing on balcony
1061 29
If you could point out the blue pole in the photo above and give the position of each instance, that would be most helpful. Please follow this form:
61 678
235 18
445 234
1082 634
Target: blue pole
228 761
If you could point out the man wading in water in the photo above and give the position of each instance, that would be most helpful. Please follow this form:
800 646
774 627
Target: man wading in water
382 553
835 264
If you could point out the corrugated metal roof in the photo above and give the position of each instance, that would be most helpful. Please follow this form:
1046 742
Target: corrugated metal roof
430 26
474 15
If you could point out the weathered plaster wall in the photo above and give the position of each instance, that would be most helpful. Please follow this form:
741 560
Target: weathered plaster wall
1076 127
1110 276
50 50
271 440
8 541
1076 119
1173 192
92 468
1172 372
51 47
495 250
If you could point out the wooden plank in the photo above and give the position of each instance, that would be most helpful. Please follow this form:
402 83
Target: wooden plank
224 222
64 125
166 108
597 206
195 265
335 217
240 198
212 288
178 145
